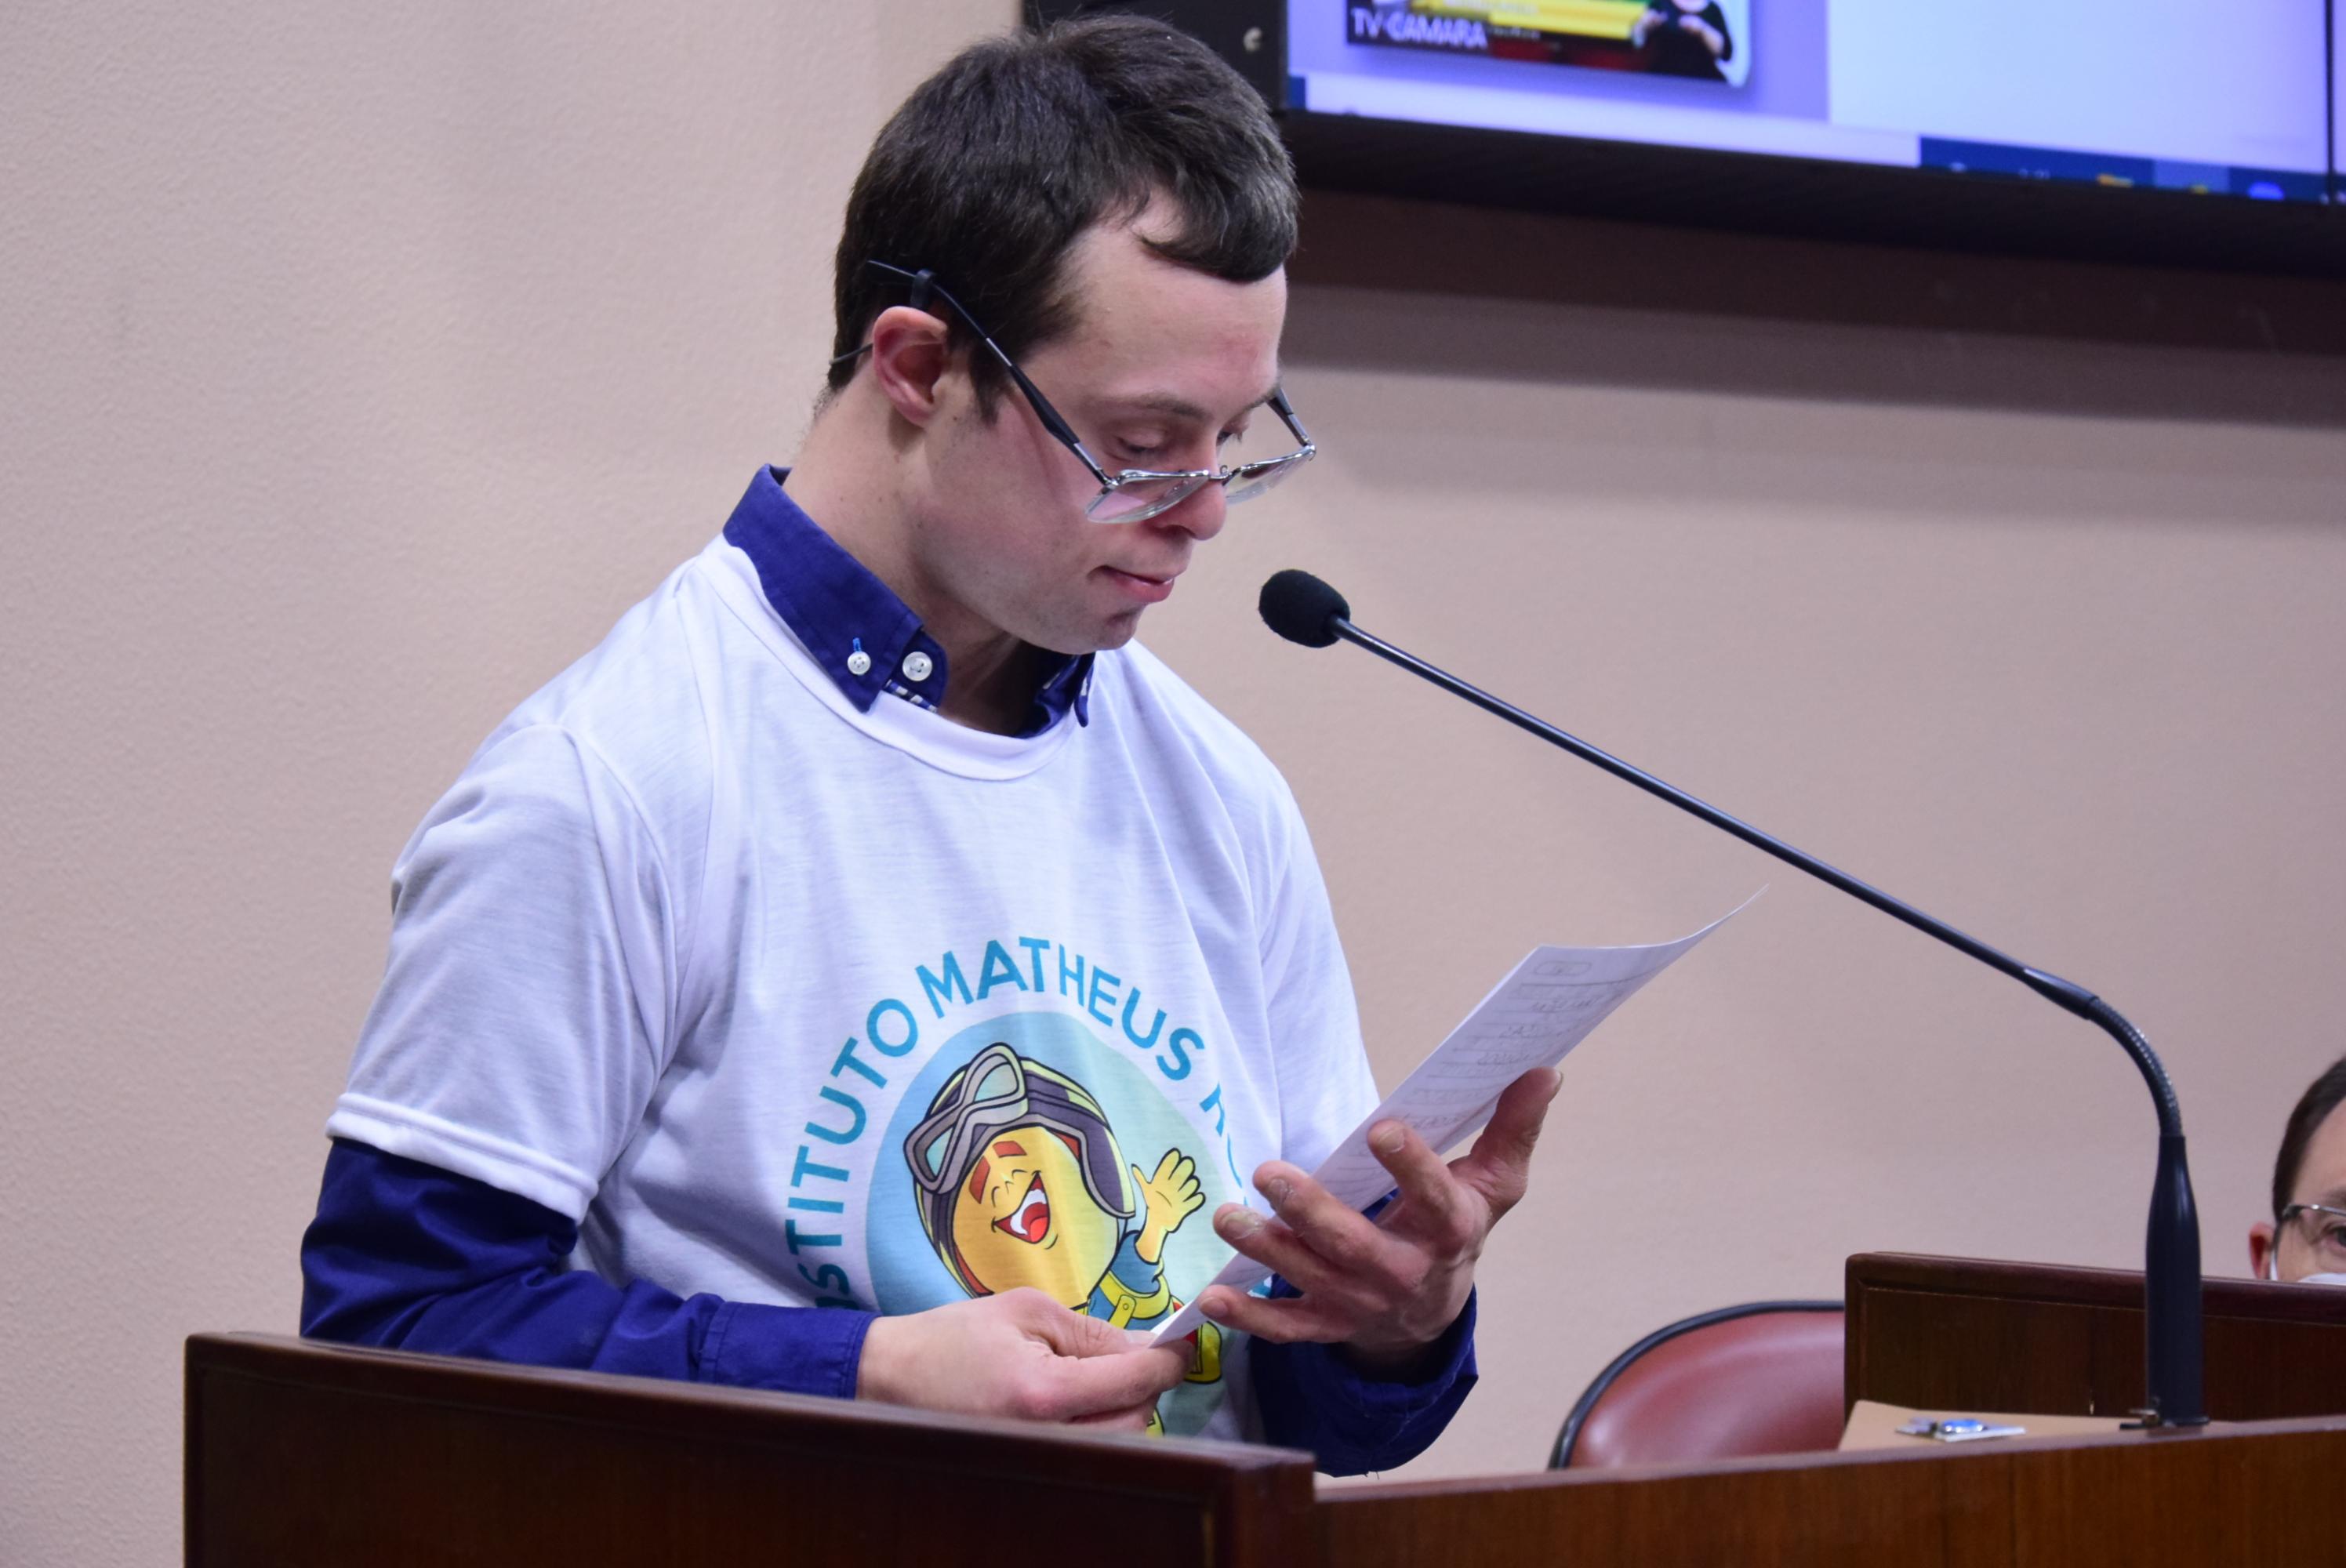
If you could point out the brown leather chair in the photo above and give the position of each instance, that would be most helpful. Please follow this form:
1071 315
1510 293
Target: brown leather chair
1762 1378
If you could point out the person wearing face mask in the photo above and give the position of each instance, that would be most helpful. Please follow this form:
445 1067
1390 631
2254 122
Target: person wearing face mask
2305 1240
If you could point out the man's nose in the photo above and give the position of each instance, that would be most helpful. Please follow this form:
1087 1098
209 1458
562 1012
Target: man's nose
1200 516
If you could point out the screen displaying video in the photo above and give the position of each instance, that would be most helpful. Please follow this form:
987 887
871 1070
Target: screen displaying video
1672 39
2229 100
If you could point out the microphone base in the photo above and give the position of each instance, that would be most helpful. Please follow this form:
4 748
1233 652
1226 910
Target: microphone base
2173 1342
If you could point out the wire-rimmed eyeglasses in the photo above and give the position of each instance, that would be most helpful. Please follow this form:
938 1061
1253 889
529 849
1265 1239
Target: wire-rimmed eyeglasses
2322 1229
1131 495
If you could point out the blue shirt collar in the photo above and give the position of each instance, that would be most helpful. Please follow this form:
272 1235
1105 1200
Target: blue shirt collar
838 609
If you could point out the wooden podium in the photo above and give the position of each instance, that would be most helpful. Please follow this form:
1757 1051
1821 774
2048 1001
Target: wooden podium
299 1453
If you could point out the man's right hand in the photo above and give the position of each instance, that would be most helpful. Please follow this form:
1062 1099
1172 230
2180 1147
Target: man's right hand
1017 1354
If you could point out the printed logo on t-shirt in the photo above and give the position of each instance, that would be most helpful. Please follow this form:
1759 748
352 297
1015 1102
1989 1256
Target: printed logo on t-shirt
1030 1149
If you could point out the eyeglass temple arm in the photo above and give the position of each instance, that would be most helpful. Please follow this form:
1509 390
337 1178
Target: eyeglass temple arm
1058 427
1279 406
925 283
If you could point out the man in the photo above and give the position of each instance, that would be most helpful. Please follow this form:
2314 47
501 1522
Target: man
2305 1240
777 995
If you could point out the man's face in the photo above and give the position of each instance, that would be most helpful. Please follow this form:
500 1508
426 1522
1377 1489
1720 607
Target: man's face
1163 364
2321 1178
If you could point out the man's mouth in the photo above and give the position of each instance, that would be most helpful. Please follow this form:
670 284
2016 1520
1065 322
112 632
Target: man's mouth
1147 588
1033 1216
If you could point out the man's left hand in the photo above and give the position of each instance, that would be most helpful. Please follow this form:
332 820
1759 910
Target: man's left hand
1384 1289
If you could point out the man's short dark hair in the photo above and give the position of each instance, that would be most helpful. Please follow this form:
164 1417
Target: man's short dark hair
2313 1107
995 165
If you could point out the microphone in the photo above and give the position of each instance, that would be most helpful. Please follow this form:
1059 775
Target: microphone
1301 608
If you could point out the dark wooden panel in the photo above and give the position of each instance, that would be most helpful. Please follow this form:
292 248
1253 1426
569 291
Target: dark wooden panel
299 1453
1967 1334
304 1454
2223 1494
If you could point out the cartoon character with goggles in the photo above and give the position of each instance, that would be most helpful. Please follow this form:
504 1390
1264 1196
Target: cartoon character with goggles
1020 1182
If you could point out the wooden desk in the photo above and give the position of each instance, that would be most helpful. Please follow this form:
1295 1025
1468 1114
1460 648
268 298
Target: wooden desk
301 1454
1963 1334
2232 1494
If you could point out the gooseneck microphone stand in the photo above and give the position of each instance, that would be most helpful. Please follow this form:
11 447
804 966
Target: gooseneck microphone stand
1303 609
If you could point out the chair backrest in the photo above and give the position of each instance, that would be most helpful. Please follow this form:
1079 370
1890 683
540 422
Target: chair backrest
1762 1378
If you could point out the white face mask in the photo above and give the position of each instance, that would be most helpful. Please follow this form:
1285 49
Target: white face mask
2272 1272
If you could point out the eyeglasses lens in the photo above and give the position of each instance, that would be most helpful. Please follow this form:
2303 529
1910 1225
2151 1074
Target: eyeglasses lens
1246 486
1142 498
2323 1233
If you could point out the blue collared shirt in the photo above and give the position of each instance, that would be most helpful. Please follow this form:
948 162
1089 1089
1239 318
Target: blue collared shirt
406 1255
838 609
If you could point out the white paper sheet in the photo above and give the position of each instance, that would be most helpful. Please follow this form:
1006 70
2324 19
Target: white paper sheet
1548 1004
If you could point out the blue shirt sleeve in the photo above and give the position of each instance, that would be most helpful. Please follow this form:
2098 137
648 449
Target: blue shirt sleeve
1352 1422
406 1256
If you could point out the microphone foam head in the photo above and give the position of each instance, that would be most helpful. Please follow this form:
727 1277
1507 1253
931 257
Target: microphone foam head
1298 606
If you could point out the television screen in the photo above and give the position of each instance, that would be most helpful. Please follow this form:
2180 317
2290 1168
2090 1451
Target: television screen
2231 99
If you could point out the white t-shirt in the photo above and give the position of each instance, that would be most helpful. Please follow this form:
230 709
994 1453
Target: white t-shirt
800 1005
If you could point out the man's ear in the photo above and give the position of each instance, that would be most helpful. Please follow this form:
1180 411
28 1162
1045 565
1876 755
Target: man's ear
911 354
2260 1245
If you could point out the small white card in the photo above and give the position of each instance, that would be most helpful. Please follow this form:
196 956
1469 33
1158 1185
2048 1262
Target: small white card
1548 1004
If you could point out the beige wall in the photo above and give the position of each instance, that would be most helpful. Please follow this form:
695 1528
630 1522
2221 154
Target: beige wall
362 367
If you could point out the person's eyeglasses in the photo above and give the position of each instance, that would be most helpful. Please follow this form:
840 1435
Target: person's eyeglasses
1131 495
2321 1230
